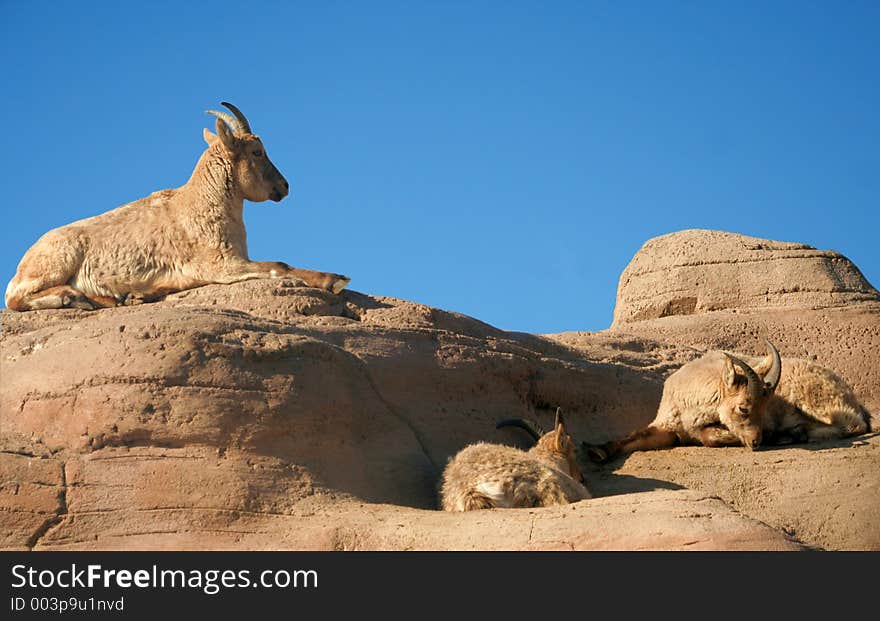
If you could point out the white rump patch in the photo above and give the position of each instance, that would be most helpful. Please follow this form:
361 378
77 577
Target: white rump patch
495 491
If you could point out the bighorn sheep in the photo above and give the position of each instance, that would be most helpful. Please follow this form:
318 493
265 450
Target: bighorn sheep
721 400
169 241
483 476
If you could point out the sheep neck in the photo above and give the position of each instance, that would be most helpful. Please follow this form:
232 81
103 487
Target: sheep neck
214 204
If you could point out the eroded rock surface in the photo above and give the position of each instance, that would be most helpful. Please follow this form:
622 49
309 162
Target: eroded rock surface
262 415
698 271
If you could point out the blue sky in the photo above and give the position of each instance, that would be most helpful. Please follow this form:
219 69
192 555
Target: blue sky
500 159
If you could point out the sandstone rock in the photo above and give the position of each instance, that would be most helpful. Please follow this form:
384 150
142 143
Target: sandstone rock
267 416
292 392
827 495
32 500
656 520
696 271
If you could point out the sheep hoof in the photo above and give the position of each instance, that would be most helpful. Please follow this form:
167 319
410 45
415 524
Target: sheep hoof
80 304
133 299
596 453
76 301
340 284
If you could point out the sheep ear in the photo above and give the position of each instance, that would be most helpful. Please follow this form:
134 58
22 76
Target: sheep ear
226 136
209 136
729 372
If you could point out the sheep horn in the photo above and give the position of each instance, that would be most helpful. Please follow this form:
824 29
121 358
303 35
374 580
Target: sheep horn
559 420
753 378
533 429
230 121
771 379
245 126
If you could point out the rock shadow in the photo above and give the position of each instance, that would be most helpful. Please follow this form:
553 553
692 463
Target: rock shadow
605 482
825 445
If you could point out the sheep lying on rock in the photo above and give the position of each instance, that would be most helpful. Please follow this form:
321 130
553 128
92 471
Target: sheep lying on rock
483 476
169 241
722 400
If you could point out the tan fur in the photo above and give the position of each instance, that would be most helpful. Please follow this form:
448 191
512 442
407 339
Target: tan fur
711 392
698 406
169 241
486 475
812 400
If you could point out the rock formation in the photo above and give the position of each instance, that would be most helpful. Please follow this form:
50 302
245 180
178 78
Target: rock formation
696 272
263 415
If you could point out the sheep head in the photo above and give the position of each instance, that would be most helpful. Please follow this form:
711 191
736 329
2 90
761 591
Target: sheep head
559 448
252 171
744 394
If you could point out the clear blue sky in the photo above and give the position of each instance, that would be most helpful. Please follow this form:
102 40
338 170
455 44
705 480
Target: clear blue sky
500 159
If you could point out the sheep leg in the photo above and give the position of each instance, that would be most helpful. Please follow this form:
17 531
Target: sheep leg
816 432
321 280
60 296
135 298
789 435
250 270
646 439
851 423
715 436
842 423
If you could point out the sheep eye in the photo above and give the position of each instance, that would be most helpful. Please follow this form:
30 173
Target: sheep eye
258 153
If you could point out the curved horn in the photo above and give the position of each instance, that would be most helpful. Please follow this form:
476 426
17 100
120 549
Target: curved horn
771 379
754 380
230 121
559 420
533 429
245 126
